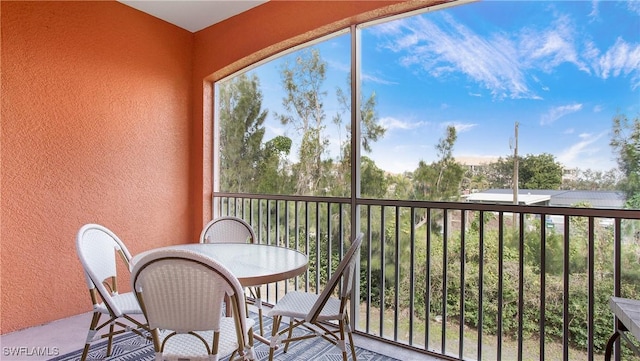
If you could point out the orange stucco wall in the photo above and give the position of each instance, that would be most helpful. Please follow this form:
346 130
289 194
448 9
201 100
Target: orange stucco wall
96 127
106 117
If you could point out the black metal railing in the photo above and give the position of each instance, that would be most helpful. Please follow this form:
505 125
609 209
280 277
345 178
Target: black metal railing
463 281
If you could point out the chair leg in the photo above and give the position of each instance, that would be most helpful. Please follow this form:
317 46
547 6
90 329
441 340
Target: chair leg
110 343
274 334
260 320
350 334
92 329
341 342
289 334
258 303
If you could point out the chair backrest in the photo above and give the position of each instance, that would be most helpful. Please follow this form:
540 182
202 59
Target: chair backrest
183 291
97 247
345 272
228 229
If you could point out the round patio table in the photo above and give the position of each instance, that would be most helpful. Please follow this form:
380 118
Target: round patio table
253 264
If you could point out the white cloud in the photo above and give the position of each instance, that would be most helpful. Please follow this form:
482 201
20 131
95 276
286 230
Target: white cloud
584 147
505 64
558 112
634 6
452 47
460 127
595 11
620 59
391 123
377 80
548 48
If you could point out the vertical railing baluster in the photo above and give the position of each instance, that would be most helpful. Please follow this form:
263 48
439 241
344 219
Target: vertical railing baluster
412 278
318 236
462 290
306 246
566 271
591 297
252 219
481 224
617 276
543 283
445 281
397 261
341 237
277 241
286 237
277 224
296 236
260 221
329 242
520 285
383 285
427 326
369 236
500 282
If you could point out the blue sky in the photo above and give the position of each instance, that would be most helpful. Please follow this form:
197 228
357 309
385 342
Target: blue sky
561 69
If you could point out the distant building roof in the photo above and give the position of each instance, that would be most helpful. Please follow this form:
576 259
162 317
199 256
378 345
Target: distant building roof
556 198
526 199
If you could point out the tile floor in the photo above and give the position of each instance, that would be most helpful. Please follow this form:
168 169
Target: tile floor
66 335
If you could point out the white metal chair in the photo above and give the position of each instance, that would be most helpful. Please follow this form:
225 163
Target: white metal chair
181 293
313 311
234 230
97 247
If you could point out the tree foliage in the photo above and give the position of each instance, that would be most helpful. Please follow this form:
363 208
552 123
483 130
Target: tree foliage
540 171
593 180
441 179
241 132
535 171
625 141
303 101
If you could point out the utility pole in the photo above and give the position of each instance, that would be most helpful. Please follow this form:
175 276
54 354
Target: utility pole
515 168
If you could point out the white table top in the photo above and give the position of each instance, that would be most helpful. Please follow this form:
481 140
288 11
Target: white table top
252 264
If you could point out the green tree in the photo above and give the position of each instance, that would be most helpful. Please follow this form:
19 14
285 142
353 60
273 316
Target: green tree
441 179
241 132
500 173
303 102
539 172
274 175
625 141
593 180
370 132
374 182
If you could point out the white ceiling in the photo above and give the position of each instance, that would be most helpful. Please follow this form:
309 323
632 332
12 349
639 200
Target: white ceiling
193 15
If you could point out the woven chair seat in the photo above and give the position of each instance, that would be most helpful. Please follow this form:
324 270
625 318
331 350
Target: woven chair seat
126 302
299 304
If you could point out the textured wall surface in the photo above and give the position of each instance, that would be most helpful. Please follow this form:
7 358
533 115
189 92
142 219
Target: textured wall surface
96 122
